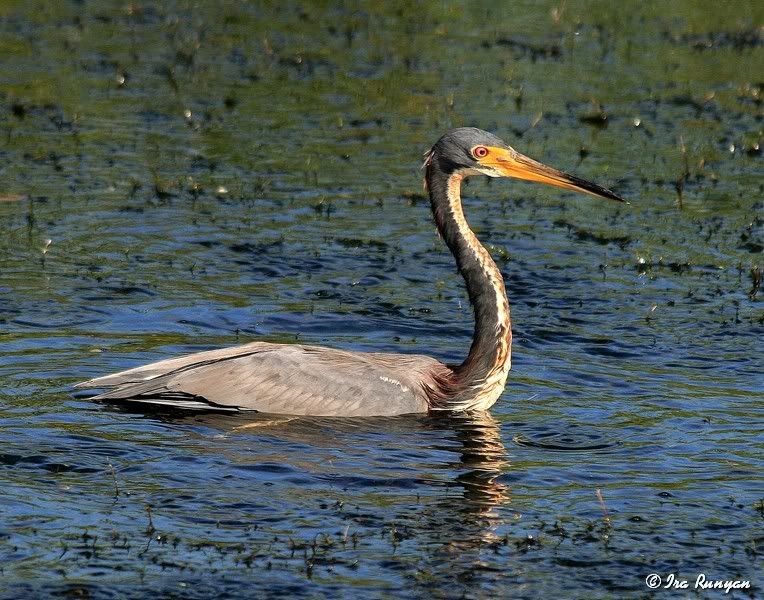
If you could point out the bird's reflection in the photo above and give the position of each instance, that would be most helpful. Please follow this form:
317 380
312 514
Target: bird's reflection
482 456
451 505
462 528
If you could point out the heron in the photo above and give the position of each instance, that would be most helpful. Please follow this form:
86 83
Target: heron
297 379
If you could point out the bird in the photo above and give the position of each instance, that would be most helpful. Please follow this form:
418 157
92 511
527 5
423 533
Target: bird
297 379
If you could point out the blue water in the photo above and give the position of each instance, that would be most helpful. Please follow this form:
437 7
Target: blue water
286 205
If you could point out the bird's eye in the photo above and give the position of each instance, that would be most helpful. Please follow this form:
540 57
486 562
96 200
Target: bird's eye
480 152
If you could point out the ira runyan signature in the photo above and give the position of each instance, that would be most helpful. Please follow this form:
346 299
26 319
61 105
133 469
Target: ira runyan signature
672 582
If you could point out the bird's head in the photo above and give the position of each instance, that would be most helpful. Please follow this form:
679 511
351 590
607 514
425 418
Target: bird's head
470 151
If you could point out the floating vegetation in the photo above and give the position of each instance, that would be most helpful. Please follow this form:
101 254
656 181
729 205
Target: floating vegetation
585 235
526 49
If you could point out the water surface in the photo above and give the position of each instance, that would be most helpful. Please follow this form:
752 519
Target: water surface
193 175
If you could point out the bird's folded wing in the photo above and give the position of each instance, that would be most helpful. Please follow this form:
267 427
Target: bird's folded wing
163 367
276 378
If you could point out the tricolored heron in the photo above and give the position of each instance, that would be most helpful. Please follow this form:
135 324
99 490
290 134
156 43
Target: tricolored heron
313 380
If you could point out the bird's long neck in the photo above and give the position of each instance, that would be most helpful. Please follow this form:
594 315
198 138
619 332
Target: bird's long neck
480 379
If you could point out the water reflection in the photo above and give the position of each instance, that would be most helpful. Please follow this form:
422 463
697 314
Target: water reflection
483 458
452 465
482 454
461 528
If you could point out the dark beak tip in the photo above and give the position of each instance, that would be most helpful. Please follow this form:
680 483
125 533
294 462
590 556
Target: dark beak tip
611 195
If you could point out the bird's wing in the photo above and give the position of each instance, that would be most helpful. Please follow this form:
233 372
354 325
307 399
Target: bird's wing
163 367
280 378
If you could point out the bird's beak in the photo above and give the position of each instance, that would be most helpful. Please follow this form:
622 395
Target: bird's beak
506 162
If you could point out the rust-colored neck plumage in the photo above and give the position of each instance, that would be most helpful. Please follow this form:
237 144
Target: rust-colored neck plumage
479 380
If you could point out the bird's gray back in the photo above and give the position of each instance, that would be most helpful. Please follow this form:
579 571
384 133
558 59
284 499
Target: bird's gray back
285 379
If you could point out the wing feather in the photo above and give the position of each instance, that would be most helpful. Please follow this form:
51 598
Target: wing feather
280 378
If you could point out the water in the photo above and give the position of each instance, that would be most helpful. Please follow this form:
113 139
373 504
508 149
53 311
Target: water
195 175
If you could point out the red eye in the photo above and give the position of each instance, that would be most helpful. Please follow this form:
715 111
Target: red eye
480 151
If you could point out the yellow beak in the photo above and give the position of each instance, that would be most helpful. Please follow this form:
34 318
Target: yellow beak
506 162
